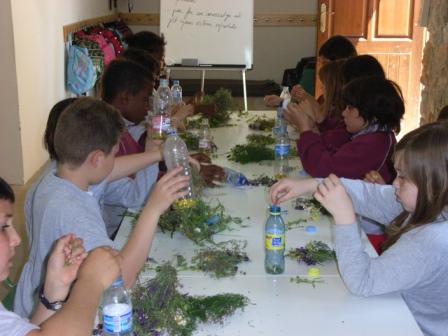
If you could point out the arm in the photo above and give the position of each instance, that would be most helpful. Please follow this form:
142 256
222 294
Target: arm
130 164
401 267
287 188
98 271
136 250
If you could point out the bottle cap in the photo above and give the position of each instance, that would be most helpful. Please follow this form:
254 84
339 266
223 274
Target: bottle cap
313 272
311 229
118 282
171 131
274 209
164 82
175 82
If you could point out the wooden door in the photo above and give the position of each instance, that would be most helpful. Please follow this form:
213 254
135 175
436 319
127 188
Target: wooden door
386 29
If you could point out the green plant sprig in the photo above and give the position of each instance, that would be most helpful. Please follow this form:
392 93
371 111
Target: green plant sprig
261 124
315 252
250 153
225 105
198 222
160 308
311 281
221 260
260 139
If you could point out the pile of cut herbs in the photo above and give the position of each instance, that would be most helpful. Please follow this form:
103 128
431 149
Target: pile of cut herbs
250 153
198 222
225 105
262 180
312 205
260 139
191 140
262 124
220 260
315 252
160 309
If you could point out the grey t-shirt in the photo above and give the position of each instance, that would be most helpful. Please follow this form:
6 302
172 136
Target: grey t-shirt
56 207
13 325
415 266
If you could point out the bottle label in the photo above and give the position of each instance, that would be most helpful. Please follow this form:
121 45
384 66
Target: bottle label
274 241
160 123
117 318
281 149
204 144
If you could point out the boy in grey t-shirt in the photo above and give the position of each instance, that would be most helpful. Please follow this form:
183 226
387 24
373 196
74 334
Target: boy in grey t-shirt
86 141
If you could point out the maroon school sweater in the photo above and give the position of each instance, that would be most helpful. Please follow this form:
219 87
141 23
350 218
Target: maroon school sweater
333 132
363 153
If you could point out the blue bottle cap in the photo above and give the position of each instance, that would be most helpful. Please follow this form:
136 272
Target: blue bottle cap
175 82
118 282
213 219
274 209
311 229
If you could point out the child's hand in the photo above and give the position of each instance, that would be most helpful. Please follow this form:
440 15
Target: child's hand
297 115
62 268
272 100
167 190
287 188
194 163
101 266
332 195
298 93
374 177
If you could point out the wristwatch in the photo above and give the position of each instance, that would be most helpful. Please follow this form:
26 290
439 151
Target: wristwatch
55 306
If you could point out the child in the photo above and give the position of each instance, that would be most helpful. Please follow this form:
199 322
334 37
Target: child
95 275
374 108
415 210
335 48
326 117
86 141
117 190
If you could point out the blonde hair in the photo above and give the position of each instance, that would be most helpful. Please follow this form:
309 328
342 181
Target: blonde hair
331 77
424 157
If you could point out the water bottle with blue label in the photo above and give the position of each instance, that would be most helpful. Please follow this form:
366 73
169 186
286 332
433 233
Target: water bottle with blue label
274 261
281 151
117 310
176 92
234 178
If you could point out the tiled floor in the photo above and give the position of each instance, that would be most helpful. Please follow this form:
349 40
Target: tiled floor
254 103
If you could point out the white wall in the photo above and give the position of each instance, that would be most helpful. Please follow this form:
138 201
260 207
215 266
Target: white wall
38 52
275 48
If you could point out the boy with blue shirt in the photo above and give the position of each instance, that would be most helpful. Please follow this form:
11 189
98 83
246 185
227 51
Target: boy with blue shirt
86 141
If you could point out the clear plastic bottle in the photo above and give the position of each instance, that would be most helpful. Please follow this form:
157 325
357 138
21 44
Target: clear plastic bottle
175 153
176 93
285 96
205 137
235 178
281 151
160 120
274 261
117 310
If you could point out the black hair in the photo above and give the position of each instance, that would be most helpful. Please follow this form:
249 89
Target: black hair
53 118
443 114
6 192
86 125
148 41
122 75
361 66
142 57
337 47
378 100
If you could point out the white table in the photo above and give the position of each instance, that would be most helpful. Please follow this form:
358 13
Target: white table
278 306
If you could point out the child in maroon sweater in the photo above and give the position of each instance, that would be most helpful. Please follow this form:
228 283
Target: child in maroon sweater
374 108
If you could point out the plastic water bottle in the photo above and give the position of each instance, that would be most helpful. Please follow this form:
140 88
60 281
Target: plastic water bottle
117 310
205 138
285 96
176 92
281 151
160 120
175 153
274 261
234 178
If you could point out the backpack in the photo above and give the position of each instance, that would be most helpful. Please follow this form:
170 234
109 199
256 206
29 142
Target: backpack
81 74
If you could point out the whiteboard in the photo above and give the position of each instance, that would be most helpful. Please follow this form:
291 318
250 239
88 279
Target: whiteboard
215 32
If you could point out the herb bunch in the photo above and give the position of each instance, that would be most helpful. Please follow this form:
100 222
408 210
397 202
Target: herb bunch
221 260
312 281
250 153
260 139
159 308
315 252
198 222
191 140
262 124
263 180
225 105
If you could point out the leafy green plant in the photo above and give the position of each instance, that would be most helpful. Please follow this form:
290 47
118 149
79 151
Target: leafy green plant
225 105
260 139
315 252
250 153
159 307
